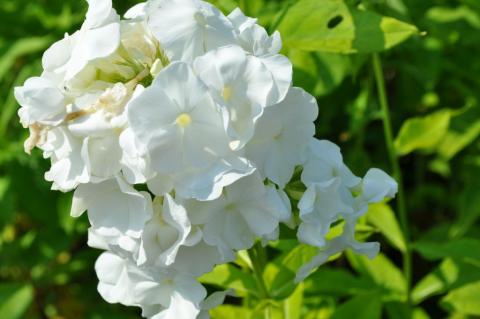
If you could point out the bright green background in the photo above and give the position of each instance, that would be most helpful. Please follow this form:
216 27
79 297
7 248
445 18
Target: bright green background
433 85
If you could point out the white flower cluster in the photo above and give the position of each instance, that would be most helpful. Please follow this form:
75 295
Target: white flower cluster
179 130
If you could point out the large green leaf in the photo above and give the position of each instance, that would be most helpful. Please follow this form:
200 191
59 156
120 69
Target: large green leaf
228 276
337 282
464 249
333 26
317 72
280 275
382 217
449 275
230 312
383 272
15 299
422 133
367 306
465 300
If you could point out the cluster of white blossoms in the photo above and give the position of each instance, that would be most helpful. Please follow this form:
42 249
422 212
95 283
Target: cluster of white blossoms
179 130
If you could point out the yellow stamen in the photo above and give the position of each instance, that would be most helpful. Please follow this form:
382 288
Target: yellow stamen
227 93
184 120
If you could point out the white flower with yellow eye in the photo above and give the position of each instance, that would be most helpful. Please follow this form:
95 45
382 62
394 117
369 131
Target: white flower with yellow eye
175 120
241 85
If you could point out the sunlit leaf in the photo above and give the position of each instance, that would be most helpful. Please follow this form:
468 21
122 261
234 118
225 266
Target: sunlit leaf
465 300
15 298
450 274
367 306
229 277
422 133
383 272
464 249
382 217
334 26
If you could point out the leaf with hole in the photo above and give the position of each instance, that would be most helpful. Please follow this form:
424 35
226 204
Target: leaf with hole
334 26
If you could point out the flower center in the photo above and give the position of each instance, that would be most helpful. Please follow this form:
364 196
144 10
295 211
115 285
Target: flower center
227 93
183 120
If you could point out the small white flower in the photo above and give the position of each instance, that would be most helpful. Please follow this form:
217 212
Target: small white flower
203 184
324 162
99 37
320 206
114 207
246 210
187 29
165 233
179 130
242 86
338 245
282 135
255 40
42 102
376 186
68 168
162 294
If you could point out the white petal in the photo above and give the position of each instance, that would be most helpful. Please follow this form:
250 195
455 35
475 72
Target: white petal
188 28
114 207
42 102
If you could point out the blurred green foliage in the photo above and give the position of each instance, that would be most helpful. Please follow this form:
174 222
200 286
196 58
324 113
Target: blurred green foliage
433 84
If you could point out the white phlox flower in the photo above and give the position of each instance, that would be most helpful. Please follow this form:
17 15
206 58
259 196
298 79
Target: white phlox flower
334 194
99 37
161 294
241 85
180 132
114 207
246 210
255 40
282 135
165 233
187 29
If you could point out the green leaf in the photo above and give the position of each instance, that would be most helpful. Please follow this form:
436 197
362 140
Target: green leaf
383 272
337 282
464 249
230 312
229 277
292 307
367 306
465 300
383 218
333 26
280 274
450 274
423 133
15 299
319 73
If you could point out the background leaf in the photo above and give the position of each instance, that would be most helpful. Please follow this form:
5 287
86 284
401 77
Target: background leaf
334 26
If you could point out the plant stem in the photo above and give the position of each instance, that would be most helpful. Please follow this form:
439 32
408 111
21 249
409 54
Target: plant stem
397 173
255 257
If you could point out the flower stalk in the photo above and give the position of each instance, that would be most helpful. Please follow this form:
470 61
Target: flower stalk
255 254
397 173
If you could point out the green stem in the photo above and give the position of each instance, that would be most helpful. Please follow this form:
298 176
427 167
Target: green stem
397 173
255 256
